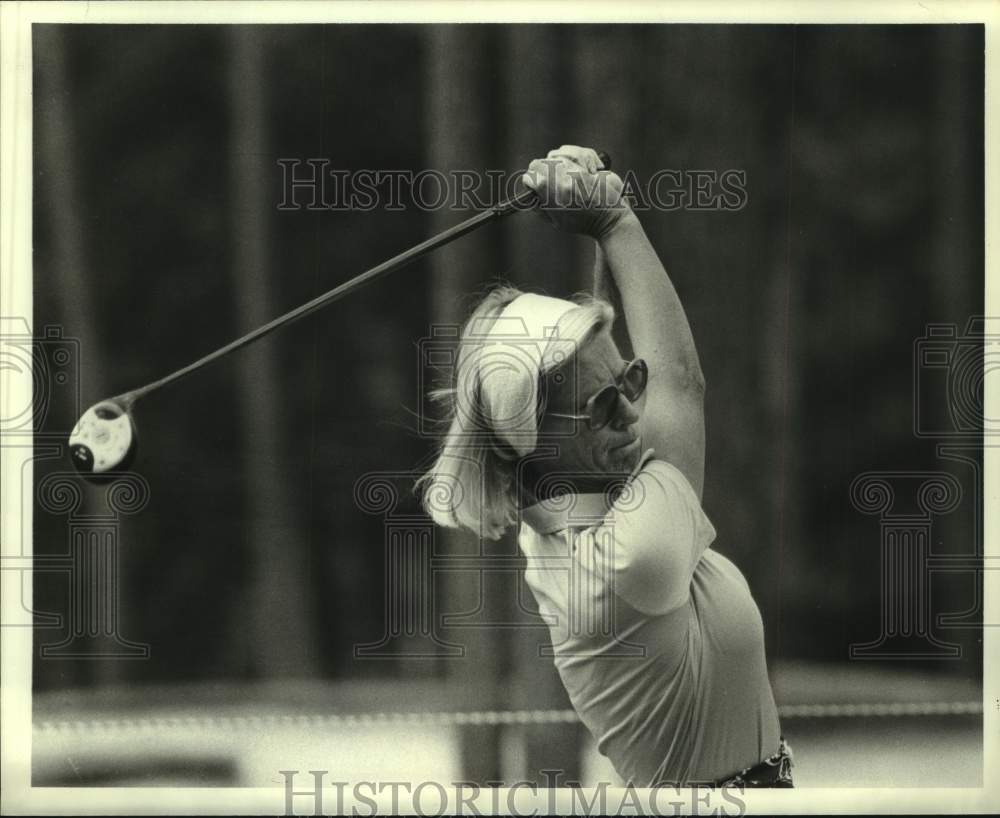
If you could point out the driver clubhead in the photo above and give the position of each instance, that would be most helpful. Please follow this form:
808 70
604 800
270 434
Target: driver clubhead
103 441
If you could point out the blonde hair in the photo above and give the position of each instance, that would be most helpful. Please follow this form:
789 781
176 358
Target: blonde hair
472 482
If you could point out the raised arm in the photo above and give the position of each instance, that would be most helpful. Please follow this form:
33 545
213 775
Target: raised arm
673 417
628 270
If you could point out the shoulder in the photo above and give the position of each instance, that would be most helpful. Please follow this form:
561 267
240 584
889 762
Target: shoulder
654 478
658 533
658 498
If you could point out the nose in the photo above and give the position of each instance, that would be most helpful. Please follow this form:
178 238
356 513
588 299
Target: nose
625 413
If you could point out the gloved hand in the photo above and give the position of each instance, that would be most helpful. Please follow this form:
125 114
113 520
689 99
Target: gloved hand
575 194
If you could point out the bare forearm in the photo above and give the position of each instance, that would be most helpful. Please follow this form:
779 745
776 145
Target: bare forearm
606 289
657 324
604 285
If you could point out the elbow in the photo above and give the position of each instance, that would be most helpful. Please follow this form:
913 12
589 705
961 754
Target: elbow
696 380
684 379
690 378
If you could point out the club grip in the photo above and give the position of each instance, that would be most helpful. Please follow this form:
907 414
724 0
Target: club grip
526 199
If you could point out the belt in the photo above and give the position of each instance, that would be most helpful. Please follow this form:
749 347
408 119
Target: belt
775 771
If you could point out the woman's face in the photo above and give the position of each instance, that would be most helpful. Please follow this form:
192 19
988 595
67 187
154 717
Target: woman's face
613 449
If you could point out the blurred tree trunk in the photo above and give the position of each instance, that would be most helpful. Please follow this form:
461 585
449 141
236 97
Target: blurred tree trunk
278 615
459 135
56 135
783 303
955 150
957 256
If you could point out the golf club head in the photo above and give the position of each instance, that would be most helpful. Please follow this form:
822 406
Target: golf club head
103 440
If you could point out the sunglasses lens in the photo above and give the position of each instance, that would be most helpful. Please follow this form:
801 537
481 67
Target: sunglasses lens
634 380
603 407
605 403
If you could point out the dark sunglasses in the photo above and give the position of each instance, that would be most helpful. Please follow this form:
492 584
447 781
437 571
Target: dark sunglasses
601 406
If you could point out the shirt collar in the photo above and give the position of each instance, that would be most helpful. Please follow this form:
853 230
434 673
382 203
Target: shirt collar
575 510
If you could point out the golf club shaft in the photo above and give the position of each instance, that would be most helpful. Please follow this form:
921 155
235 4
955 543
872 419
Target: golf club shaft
522 201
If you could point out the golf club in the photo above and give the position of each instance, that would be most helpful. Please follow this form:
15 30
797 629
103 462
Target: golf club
104 439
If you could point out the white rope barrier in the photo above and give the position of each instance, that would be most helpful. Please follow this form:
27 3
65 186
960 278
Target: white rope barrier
884 709
469 718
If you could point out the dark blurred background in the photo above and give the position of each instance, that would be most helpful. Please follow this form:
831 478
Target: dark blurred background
157 238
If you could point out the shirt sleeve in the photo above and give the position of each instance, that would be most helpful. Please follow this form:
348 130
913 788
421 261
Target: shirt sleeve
656 533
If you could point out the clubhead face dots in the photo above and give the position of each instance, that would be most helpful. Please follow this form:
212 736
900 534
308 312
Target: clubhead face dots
102 440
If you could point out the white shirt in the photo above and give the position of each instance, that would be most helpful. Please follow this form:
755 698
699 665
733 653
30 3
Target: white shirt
656 637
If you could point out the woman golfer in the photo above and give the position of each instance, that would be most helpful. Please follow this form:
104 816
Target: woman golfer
600 461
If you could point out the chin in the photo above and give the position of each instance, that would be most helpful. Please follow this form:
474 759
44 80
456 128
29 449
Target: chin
625 458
